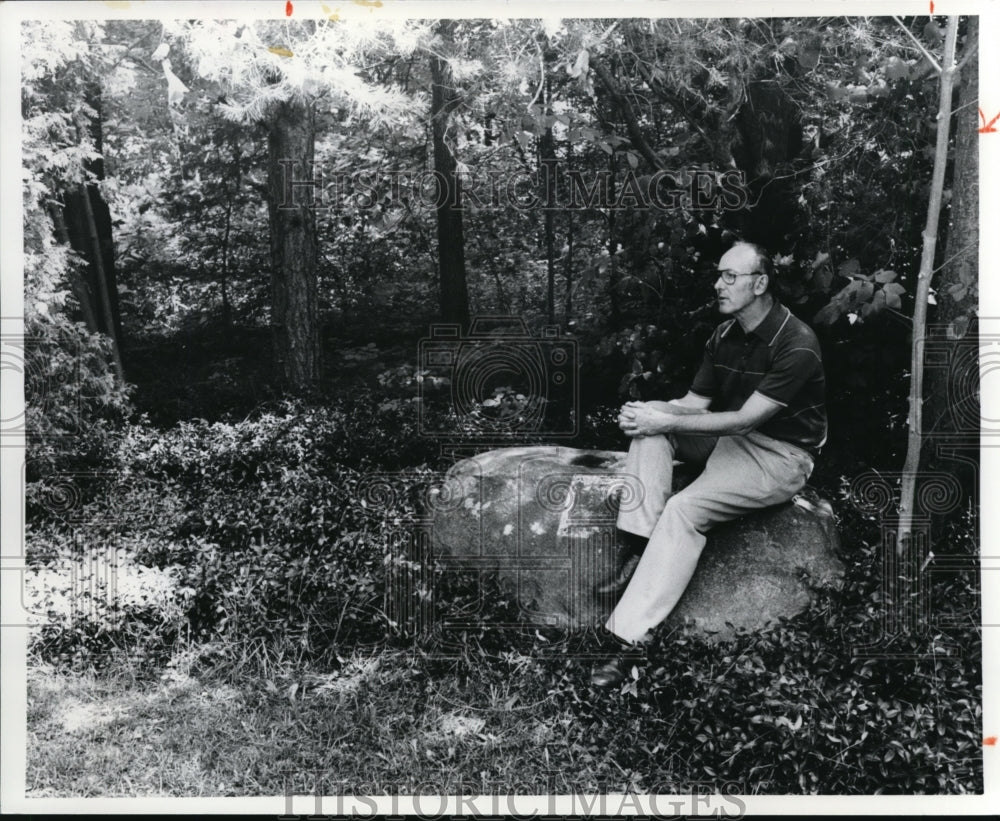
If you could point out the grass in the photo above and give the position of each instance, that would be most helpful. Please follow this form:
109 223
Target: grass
392 721
508 711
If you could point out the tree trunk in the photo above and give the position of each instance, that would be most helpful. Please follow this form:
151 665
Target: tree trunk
103 294
768 136
568 268
231 196
451 239
547 152
86 224
294 321
915 421
102 216
953 330
628 114
612 269
77 282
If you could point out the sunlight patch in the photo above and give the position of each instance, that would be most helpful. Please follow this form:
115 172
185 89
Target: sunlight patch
345 680
458 725
75 716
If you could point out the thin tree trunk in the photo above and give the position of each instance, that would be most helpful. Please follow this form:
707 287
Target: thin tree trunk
451 238
957 285
86 219
568 268
102 213
294 320
103 296
625 108
912 463
568 265
612 270
547 151
235 147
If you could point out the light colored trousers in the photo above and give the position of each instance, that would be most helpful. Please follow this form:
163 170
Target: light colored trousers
742 474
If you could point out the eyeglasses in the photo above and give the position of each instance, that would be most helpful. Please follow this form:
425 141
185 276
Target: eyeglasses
729 277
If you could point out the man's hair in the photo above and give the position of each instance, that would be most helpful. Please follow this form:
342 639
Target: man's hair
763 264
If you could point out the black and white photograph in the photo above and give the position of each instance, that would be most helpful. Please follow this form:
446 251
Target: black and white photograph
486 409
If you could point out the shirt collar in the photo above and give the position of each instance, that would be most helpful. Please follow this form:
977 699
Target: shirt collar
770 326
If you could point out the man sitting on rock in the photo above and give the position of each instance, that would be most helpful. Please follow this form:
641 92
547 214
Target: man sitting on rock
754 417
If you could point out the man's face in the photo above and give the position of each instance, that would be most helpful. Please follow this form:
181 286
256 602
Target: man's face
739 261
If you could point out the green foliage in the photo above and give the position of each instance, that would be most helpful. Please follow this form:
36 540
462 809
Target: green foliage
658 360
59 59
269 533
73 401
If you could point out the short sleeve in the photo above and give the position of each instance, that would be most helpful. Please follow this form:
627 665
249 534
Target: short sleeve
704 379
792 368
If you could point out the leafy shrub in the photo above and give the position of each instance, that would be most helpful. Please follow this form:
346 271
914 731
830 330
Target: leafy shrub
278 526
659 364
73 401
801 707
291 531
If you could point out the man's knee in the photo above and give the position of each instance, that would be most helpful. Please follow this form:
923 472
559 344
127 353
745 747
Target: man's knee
697 512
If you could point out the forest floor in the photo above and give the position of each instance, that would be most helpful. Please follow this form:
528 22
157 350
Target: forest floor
242 709
384 723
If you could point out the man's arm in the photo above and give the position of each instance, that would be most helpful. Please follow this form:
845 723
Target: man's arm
691 403
638 419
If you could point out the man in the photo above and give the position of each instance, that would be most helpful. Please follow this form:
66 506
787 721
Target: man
754 416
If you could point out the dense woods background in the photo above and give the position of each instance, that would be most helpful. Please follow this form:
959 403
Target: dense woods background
221 357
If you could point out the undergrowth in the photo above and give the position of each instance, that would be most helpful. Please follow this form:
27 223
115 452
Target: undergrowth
254 558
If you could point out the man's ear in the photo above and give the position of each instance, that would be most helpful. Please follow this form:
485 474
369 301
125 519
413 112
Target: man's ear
760 284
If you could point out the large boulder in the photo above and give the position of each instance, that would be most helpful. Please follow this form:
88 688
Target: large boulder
544 518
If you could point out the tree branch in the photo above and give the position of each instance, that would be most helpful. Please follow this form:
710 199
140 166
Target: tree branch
969 54
919 45
675 101
687 106
623 105
541 77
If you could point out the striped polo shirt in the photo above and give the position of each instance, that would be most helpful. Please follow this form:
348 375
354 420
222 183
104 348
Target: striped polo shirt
780 359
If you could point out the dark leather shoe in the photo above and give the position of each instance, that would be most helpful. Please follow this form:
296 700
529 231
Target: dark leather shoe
611 673
620 582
